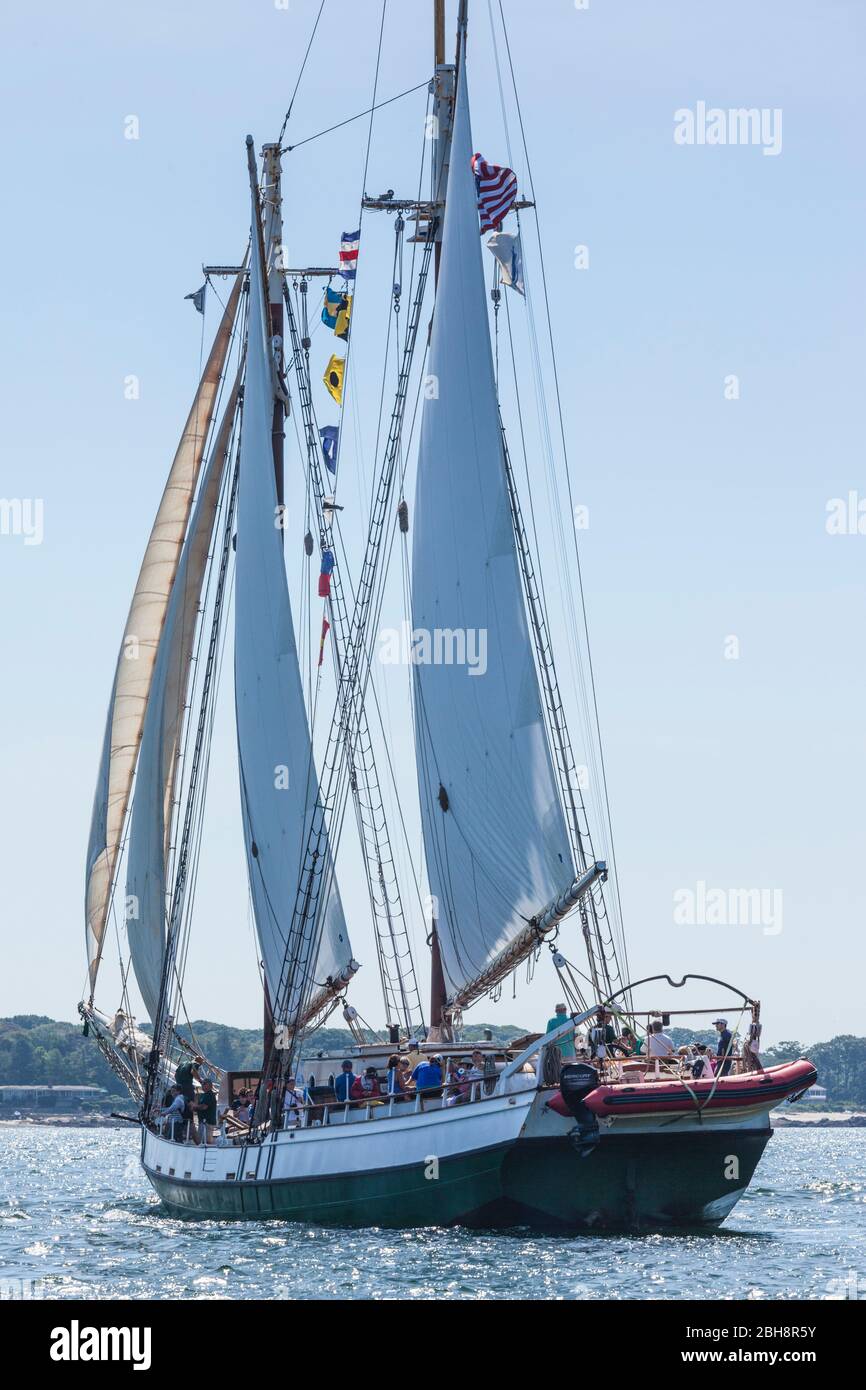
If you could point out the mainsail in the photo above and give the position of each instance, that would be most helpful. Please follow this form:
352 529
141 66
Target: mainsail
150 825
495 835
278 780
135 662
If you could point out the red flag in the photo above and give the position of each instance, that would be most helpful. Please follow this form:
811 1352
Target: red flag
324 586
325 628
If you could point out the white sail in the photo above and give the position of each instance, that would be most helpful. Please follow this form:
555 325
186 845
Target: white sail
278 780
137 655
150 824
499 850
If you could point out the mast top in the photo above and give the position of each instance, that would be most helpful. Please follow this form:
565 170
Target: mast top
439 31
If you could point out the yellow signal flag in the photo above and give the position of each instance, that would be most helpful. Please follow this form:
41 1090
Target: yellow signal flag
333 377
344 313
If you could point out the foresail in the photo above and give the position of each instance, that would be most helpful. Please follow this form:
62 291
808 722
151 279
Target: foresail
278 780
495 836
137 656
150 824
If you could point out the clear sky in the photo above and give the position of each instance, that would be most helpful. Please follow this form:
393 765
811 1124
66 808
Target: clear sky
733 764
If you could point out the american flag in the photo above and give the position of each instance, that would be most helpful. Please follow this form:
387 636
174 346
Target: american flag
497 190
349 254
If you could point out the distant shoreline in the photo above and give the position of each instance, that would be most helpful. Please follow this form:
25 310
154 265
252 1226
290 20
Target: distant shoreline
66 1121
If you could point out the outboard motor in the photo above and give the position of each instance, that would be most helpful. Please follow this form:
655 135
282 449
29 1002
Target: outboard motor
576 1081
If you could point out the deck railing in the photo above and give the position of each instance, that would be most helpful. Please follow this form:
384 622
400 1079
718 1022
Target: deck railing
638 1068
335 1112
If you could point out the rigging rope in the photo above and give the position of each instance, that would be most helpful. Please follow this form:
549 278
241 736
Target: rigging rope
368 111
300 75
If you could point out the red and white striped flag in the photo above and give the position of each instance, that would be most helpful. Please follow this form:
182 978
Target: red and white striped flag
349 243
497 190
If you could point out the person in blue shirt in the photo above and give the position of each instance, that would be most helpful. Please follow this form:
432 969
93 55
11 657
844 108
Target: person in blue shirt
344 1082
723 1051
428 1075
566 1044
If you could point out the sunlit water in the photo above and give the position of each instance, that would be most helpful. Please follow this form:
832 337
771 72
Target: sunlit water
79 1220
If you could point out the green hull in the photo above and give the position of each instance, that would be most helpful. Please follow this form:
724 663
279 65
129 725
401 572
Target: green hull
628 1182
388 1197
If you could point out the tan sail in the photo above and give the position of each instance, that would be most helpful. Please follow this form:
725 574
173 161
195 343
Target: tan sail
138 648
150 822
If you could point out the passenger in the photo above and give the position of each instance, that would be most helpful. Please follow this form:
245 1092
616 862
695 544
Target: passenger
344 1082
246 1107
725 1048
566 1043
174 1115
294 1102
414 1054
396 1070
702 1066
658 1042
465 1078
406 1074
476 1071
635 1042
206 1109
457 1091
186 1075
428 1075
627 1044
366 1088
602 1035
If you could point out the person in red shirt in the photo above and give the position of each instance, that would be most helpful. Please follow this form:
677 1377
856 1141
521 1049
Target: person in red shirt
366 1088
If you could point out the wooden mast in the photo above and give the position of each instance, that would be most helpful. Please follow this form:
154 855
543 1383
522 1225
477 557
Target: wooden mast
273 239
443 116
438 61
439 31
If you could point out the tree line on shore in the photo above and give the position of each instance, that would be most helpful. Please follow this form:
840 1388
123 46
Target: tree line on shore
41 1051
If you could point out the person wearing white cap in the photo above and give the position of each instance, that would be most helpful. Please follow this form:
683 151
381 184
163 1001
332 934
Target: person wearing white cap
723 1051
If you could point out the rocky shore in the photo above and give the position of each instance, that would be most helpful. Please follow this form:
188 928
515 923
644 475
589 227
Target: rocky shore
815 1119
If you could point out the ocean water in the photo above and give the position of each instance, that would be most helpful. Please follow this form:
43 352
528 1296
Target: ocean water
79 1220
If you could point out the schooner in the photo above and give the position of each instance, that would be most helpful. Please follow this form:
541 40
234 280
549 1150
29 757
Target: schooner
512 874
